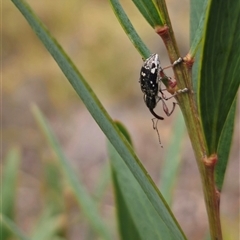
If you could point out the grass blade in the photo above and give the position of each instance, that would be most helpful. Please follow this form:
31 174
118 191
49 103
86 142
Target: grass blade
84 200
9 187
11 226
49 225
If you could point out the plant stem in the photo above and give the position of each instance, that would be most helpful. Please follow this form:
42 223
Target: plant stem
187 103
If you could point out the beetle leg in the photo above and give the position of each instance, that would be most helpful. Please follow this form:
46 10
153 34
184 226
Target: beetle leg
156 128
184 90
179 60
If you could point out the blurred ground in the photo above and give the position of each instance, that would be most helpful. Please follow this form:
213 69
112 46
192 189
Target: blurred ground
93 38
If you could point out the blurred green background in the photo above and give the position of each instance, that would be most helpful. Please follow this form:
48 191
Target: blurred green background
94 40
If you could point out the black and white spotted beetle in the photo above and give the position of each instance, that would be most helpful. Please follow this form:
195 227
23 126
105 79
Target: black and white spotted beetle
151 76
150 80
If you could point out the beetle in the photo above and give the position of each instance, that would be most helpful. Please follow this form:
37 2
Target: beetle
151 102
151 76
149 82
150 79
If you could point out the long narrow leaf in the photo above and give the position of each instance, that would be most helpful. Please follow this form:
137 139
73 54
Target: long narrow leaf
198 13
224 147
49 225
9 187
9 224
127 226
102 184
198 30
9 183
219 70
137 217
216 78
84 200
171 164
101 117
150 12
129 29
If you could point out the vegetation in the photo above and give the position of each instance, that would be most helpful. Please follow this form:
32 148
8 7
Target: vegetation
210 72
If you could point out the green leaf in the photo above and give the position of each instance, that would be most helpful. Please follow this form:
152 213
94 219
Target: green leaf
84 200
127 227
129 29
171 165
102 184
101 117
9 187
124 131
50 222
52 188
134 207
9 183
219 70
150 12
224 147
197 25
48 226
10 225
197 14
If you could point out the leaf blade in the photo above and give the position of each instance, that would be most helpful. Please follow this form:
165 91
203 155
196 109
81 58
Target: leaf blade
9 187
84 200
172 162
8 223
134 204
150 12
219 70
127 227
224 147
129 29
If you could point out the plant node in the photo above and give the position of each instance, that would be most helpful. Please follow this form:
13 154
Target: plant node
211 161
